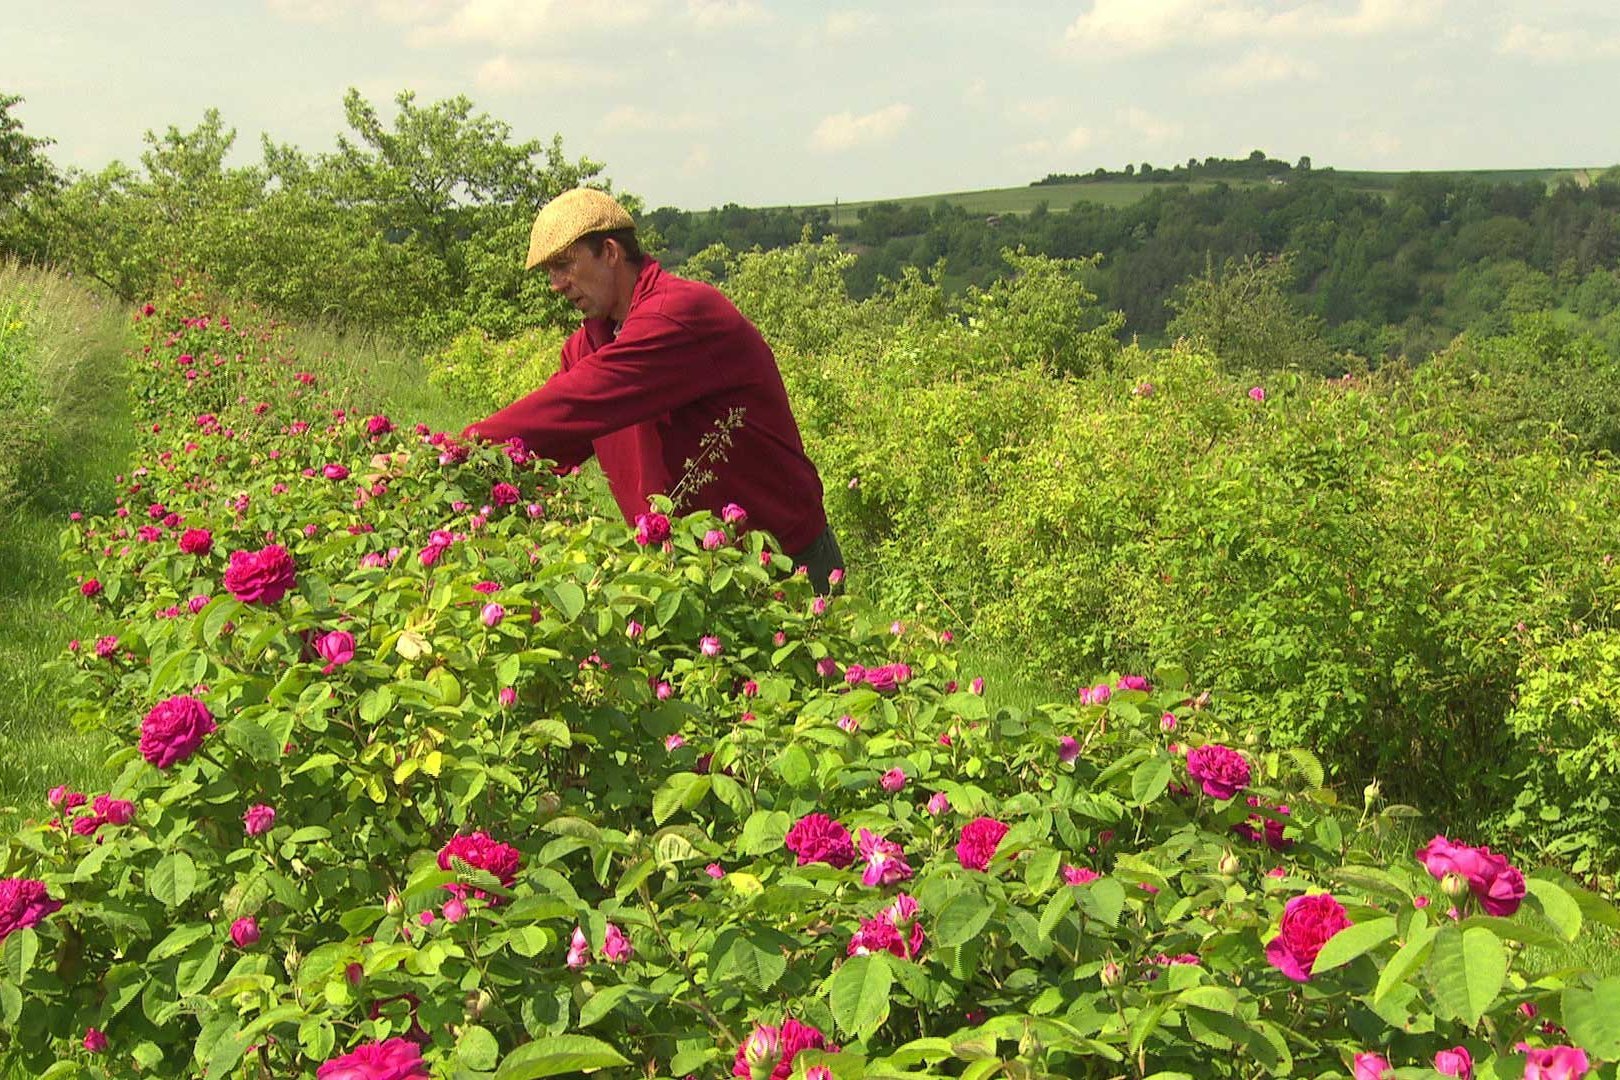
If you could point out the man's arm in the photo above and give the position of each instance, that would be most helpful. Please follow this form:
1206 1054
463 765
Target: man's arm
654 366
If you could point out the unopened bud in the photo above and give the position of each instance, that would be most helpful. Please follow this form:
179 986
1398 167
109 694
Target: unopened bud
1110 974
762 1051
1454 885
477 1002
1229 865
393 905
1370 793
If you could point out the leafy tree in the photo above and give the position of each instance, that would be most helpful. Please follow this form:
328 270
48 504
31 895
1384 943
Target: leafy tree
1243 313
26 175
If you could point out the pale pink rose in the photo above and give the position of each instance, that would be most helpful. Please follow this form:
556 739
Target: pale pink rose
710 646
615 945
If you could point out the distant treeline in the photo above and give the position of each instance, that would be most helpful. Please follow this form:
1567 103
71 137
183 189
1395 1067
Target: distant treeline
1257 166
1387 274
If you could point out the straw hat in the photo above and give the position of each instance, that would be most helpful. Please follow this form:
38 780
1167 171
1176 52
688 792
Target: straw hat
570 216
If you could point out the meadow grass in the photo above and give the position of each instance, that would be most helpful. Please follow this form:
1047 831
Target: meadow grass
80 337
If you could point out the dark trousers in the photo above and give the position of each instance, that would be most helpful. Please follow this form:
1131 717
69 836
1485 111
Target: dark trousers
822 557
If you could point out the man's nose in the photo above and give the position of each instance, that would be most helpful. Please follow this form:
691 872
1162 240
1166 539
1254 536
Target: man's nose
558 279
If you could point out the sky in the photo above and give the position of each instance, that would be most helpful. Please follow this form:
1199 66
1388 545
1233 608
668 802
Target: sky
699 103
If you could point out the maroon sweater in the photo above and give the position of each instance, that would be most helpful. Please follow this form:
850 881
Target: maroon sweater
642 400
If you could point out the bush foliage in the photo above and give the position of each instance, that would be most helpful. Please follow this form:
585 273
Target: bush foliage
421 760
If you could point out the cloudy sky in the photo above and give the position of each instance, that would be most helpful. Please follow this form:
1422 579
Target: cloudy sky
696 103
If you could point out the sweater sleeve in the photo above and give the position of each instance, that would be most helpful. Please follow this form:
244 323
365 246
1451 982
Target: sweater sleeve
655 365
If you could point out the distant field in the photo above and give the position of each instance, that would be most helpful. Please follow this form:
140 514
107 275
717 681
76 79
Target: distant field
1021 200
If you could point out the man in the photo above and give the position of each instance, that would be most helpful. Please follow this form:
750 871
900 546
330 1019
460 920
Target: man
659 363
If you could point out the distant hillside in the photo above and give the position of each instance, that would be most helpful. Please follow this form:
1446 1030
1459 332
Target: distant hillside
1124 192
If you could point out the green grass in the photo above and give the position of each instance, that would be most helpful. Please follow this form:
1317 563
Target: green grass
373 371
83 338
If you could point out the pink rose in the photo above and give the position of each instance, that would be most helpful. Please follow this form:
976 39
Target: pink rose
335 471
615 945
396 1059
885 861
938 803
91 587
245 932
455 909
651 529
196 541
113 811
1068 749
94 1040
1553 1062
893 780
772 1048
492 615
260 577
1079 875
23 903
1455 1062
174 729
732 514
888 931
1498 887
504 494
336 647
1307 924
978 843
258 819
1370 1066
1222 771
710 646
579 950
714 539
378 425
818 838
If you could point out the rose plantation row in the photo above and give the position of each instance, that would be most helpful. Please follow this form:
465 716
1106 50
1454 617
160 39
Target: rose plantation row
423 770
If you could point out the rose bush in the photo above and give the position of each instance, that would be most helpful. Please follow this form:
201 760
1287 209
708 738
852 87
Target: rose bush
574 838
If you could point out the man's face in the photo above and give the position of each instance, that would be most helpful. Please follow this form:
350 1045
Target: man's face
586 278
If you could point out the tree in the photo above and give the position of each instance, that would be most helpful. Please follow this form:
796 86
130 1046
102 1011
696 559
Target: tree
1304 163
1244 313
26 177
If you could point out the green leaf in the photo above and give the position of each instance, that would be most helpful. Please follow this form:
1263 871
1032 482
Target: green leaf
602 1003
794 766
253 739
682 791
477 1048
173 879
1103 900
1407 958
1466 971
666 606
569 598
557 1055
375 704
1593 1018
962 918
764 832
178 941
1150 779
1352 942
22 946
859 994
760 966
1559 907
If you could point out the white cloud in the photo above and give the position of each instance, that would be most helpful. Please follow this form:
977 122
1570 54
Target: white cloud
512 23
714 14
636 119
1035 110
696 162
1148 128
1262 67
976 91
1147 25
505 74
845 130
1539 43
842 25
1078 139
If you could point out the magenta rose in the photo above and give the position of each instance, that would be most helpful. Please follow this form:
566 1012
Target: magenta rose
888 931
396 1059
1221 770
258 819
818 838
1456 1062
174 729
196 541
480 851
978 843
504 494
1553 1062
775 1048
651 529
23 903
260 577
1307 924
245 932
1498 887
378 425
335 647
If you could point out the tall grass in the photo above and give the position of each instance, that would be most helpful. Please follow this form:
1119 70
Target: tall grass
76 339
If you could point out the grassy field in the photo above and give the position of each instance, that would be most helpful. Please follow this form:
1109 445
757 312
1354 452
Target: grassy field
81 337
1021 200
